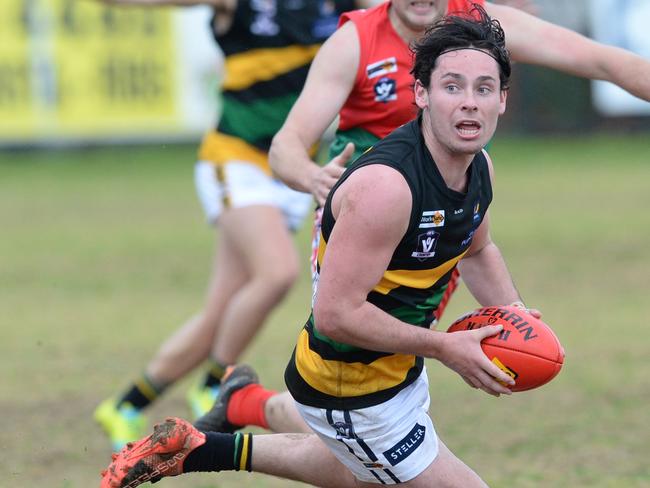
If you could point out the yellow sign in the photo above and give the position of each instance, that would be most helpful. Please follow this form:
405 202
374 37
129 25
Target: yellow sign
79 69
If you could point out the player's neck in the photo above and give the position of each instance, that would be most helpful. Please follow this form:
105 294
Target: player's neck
408 34
452 165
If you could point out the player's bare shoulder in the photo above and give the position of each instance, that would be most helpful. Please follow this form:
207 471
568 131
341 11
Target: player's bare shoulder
377 192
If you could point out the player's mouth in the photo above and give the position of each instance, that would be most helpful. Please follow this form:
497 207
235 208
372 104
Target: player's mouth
468 129
421 7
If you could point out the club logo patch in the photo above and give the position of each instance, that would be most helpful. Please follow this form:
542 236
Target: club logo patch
385 90
406 446
426 247
432 218
343 430
381 68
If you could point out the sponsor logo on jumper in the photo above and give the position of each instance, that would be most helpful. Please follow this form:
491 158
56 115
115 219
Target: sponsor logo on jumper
264 23
381 68
519 323
468 239
458 211
385 90
343 430
406 446
432 218
477 214
426 247
326 24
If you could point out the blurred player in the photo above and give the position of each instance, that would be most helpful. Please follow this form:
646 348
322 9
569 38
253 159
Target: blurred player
357 370
361 72
268 47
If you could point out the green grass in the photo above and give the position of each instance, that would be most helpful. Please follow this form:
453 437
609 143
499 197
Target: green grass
104 252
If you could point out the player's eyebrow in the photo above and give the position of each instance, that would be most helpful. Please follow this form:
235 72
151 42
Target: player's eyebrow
453 75
486 78
459 77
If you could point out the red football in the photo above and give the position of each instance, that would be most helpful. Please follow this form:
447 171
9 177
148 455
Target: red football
526 348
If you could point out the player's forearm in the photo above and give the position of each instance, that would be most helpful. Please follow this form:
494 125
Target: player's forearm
487 277
371 328
626 69
291 163
536 41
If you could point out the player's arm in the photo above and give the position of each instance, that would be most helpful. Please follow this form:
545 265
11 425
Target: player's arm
329 82
372 210
535 41
483 268
527 5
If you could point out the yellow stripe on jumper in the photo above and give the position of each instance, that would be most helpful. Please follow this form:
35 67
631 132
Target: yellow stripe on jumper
341 379
250 67
421 278
219 148
322 245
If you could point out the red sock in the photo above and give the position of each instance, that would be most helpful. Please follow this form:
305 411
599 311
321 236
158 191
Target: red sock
246 406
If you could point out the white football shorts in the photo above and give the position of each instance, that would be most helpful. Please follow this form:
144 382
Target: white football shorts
239 184
389 443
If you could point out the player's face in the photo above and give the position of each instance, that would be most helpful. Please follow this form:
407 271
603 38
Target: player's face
419 14
463 102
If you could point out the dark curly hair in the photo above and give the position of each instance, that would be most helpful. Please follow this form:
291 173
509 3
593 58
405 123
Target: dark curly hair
475 30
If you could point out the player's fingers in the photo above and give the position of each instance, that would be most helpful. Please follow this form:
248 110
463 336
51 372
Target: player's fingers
327 179
531 311
343 158
492 386
333 171
535 313
497 375
466 380
320 195
488 331
487 389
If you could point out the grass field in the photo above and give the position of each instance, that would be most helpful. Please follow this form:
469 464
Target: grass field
104 252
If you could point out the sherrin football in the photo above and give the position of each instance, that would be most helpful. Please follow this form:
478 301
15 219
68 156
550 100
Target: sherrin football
526 349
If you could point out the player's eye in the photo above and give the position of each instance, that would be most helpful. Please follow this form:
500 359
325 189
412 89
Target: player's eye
452 88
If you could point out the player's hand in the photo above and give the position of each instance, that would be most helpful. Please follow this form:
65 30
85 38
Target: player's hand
463 354
330 174
530 311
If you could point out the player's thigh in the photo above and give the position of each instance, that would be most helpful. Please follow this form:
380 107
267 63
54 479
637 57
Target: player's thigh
256 219
447 471
227 275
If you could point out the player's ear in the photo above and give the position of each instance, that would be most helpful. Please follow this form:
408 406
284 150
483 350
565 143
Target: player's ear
421 95
502 101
